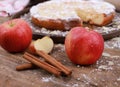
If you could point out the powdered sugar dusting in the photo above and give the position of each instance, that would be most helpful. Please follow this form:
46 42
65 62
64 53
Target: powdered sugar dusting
105 30
45 79
104 73
52 10
114 43
94 5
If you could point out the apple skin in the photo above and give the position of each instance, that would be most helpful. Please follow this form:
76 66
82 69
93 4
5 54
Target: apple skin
83 46
15 35
31 48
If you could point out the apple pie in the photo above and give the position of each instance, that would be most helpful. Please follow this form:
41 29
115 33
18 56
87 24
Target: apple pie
65 14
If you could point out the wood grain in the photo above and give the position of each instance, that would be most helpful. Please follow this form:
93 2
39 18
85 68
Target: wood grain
100 74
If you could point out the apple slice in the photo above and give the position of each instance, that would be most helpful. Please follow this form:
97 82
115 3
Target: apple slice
45 44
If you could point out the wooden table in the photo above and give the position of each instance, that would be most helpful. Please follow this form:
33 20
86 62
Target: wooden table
104 73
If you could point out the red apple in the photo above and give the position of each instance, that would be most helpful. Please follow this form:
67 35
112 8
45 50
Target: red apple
15 35
84 46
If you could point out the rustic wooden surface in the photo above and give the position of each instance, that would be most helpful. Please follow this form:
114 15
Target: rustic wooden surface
104 73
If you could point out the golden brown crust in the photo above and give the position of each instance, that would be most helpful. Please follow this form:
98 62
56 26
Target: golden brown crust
49 24
57 24
108 19
62 25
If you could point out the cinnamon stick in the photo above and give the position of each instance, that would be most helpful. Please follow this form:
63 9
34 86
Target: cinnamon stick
54 62
25 66
42 64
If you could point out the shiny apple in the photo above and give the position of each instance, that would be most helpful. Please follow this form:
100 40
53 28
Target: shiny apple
15 35
84 46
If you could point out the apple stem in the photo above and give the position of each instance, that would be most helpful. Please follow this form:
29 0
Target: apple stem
11 24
